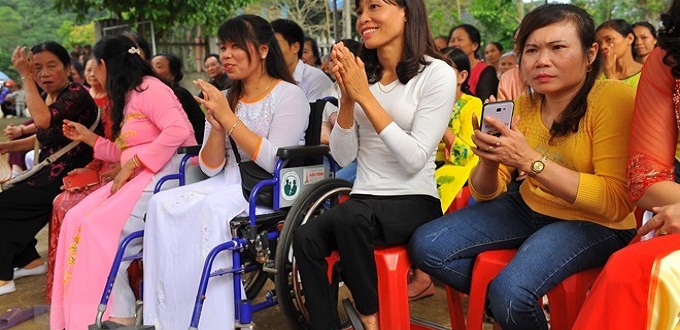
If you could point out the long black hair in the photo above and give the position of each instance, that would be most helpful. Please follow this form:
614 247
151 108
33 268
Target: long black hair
125 69
669 38
461 62
548 14
245 30
418 42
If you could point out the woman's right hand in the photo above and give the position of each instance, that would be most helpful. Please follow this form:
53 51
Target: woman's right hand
13 132
666 221
77 132
22 62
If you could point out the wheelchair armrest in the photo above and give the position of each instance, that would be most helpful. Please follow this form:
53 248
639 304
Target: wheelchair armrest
302 151
190 150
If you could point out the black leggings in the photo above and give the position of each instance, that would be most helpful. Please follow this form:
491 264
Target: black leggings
24 210
353 228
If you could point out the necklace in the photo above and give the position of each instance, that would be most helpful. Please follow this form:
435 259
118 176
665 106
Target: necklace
387 91
263 92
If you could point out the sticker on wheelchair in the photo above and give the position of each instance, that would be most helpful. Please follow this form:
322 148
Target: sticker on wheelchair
295 180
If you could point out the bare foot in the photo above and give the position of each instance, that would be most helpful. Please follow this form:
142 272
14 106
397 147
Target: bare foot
420 285
370 322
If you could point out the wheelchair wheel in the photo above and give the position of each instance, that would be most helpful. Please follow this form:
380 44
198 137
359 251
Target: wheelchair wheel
314 201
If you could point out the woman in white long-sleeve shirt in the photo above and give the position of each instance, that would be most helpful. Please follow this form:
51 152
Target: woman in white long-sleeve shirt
263 110
393 112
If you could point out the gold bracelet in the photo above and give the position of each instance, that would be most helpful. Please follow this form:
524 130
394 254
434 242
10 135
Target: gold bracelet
233 127
136 161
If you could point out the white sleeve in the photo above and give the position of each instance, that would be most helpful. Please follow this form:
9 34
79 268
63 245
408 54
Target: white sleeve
291 117
435 104
207 169
344 143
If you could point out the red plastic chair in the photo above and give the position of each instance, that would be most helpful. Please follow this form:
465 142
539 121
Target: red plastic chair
565 299
393 265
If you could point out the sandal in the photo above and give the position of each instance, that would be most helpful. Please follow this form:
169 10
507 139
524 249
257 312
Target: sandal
427 292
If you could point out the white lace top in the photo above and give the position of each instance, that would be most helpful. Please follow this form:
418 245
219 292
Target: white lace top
280 118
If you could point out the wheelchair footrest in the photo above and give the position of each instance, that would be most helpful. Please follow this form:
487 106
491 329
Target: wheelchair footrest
117 326
250 326
269 267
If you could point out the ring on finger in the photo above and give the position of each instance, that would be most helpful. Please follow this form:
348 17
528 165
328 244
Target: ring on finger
661 232
498 143
489 148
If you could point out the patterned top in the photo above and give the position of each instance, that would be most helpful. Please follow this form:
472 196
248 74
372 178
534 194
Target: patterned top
75 104
460 125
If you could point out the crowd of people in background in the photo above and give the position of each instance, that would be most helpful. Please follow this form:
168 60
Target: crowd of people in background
406 127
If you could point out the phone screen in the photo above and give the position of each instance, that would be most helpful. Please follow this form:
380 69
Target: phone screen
501 111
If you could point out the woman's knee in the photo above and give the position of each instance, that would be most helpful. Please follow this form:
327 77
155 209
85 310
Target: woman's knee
423 247
508 300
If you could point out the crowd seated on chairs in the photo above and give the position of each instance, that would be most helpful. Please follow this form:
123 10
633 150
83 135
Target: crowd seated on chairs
553 237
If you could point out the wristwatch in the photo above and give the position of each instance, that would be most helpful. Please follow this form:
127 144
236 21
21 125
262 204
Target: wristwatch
538 166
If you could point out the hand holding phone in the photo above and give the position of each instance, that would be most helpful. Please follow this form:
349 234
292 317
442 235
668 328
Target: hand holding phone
501 111
80 180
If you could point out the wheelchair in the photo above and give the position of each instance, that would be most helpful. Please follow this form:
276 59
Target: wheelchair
262 244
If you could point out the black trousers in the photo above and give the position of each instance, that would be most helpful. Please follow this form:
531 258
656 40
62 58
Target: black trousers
353 228
24 210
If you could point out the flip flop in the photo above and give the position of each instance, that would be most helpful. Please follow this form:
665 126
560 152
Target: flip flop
14 316
428 291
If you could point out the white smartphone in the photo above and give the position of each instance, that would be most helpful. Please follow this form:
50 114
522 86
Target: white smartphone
501 111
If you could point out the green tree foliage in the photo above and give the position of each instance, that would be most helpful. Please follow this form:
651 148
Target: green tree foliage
72 34
165 14
27 22
497 19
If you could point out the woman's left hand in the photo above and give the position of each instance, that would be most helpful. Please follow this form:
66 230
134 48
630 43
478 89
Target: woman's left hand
666 221
510 148
126 173
215 103
22 62
110 174
350 73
